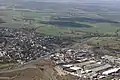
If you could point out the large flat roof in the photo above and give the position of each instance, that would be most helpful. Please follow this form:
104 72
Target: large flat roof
85 63
94 65
106 66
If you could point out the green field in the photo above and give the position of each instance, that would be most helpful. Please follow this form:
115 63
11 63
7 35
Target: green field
108 42
7 65
9 15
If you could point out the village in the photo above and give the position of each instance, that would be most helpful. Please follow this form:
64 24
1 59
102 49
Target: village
23 45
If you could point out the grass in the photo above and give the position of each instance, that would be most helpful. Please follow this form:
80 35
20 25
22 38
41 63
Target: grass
56 31
108 42
106 28
7 65
101 27
32 14
53 30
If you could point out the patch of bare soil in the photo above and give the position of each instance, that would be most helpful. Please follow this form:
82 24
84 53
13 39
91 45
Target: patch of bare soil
45 70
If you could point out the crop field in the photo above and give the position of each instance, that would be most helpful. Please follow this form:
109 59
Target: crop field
108 42
102 28
54 22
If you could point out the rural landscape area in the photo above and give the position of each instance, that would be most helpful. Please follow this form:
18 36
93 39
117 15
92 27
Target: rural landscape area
59 40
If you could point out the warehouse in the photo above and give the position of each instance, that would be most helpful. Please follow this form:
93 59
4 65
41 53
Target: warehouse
85 63
108 72
101 68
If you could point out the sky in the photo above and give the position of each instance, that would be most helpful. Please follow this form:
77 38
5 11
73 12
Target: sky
78 1
54 0
75 0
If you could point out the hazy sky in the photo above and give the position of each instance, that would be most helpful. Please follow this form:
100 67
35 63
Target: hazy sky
78 1
74 0
55 0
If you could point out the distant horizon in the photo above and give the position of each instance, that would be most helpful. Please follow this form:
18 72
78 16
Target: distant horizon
77 1
72 0
65 1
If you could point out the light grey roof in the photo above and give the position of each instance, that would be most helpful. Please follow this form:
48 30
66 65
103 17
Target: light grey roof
101 68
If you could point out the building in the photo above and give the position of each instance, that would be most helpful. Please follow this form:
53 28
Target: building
110 71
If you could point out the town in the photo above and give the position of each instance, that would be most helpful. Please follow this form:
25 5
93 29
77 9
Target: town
23 45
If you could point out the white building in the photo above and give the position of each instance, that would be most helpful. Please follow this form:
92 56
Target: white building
114 70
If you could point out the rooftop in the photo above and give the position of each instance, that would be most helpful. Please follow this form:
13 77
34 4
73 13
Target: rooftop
75 68
110 71
106 66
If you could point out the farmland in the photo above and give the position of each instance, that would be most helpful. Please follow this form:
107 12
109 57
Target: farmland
57 20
